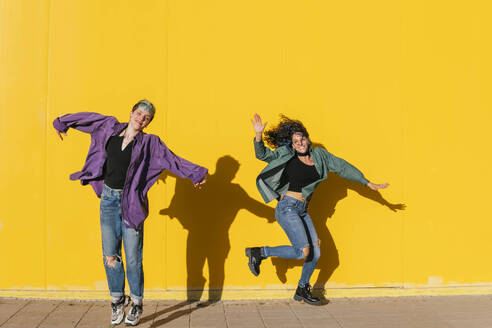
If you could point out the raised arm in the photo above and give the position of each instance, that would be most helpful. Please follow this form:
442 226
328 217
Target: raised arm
262 153
165 159
84 121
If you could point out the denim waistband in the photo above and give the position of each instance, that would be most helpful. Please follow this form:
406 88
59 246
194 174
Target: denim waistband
294 202
112 192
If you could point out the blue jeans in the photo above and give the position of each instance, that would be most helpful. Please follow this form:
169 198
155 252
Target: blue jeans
113 231
292 216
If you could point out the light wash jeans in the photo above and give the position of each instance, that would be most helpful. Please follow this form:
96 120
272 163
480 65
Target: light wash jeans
292 216
113 231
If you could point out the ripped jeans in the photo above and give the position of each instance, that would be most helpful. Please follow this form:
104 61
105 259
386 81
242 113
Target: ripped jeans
113 231
292 216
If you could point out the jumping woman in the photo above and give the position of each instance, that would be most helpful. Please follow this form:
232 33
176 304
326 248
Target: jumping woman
122 164
294 170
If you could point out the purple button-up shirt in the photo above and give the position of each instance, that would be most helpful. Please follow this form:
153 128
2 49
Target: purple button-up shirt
150 156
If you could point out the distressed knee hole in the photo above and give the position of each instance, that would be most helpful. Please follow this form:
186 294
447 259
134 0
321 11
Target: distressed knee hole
111 260
317 243
305 250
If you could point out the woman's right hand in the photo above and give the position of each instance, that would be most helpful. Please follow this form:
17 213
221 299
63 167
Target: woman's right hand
258 127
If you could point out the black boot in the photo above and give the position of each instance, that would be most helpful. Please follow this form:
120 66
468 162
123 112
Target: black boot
304 293
255 258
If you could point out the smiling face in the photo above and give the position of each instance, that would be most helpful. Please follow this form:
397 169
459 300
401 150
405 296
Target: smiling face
300 142
139 119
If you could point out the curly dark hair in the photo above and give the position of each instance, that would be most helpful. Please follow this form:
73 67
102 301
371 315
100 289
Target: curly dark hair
281 135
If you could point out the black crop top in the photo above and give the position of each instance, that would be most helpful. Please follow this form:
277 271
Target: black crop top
299 174
117 162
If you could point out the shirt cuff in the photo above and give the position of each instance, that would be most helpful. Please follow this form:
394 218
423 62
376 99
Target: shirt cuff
59 126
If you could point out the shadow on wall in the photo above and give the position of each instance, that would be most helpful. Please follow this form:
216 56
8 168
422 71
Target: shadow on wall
207 215
322 207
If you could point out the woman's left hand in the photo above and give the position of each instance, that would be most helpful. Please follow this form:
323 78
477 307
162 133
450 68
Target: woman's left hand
374 186
200 184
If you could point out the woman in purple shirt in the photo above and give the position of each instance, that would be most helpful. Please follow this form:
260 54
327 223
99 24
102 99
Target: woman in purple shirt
122 164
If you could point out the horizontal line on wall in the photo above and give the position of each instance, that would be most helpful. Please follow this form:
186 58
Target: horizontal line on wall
245 294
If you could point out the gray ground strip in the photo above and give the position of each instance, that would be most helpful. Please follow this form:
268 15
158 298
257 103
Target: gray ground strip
400 312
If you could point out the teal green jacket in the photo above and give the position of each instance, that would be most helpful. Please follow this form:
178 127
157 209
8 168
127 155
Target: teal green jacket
271 183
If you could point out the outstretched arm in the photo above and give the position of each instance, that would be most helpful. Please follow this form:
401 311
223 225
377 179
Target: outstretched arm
166 160
84 121
343 168
349 172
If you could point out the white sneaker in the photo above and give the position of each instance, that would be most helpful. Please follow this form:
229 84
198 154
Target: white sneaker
133 316
118 310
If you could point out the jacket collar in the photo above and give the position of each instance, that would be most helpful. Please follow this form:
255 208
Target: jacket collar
121 126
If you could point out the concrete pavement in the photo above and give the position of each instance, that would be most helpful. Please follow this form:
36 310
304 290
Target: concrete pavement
394 312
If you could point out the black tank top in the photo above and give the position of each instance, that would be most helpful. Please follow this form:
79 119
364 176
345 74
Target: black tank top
117 162
299 174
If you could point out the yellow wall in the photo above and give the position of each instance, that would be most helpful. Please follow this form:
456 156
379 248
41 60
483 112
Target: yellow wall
401 89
